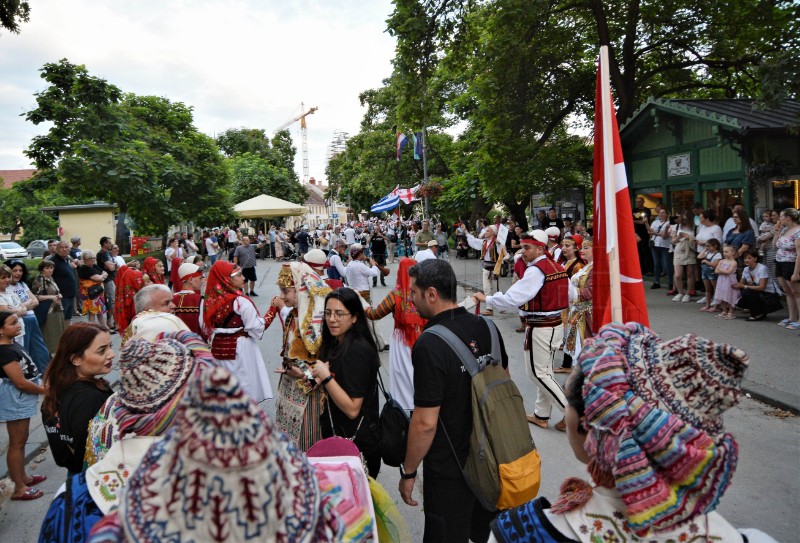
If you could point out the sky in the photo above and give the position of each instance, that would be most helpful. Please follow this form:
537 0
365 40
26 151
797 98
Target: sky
238 63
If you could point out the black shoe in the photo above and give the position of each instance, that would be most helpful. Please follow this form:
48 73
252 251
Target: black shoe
654 286
374 283
253 294
383 284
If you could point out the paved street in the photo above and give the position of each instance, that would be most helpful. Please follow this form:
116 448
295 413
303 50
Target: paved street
764 492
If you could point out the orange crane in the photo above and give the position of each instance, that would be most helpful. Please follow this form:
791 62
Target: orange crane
303 134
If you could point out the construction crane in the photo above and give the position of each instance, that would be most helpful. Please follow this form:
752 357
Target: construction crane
303 134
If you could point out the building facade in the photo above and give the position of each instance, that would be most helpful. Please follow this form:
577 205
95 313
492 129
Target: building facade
715 152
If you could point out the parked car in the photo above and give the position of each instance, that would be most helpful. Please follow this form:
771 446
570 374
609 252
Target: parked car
12 249
37 247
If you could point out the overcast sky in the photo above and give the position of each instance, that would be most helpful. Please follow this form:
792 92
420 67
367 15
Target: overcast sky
237 63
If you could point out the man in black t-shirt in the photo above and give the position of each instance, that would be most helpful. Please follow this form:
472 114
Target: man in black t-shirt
377 246
442 389
552 220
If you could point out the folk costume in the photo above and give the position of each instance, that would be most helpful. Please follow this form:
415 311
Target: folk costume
318 260
149 266
128 283
578 324
637 386
231 321
408 325
300 402
153 379
491 260
225 473
541 294
187 301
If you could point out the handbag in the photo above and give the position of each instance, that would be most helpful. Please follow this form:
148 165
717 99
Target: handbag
394 422
94 291
41 312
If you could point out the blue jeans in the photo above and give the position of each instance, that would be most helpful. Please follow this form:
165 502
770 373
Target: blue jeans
33 341
662 261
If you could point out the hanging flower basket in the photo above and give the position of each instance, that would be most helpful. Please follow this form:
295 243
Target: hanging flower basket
431 190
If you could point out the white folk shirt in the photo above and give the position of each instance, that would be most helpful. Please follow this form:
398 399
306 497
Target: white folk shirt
359 274
425 254
483 245
521 292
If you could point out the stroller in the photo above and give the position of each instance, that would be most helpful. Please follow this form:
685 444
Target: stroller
289 252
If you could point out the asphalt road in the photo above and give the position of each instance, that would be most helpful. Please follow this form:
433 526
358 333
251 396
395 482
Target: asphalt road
764 492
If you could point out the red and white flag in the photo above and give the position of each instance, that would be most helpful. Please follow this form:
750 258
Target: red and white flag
617 288
406 195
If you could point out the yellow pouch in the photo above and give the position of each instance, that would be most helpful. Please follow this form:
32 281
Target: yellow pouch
519 480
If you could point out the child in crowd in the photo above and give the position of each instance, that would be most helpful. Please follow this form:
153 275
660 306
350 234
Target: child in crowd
726 296
709 259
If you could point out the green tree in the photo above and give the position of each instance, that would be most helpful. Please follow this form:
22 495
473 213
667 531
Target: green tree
12 13
253 175
141 152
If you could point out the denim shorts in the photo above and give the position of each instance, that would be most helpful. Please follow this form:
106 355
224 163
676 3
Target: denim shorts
15 404
707 272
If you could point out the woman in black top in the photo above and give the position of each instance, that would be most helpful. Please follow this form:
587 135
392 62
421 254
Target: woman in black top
350 375
74 393
20 386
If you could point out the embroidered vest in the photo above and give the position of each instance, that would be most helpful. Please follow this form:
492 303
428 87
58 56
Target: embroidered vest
223 346
554 294
187 309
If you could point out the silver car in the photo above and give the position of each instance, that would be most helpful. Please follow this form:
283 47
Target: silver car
37 247
12 249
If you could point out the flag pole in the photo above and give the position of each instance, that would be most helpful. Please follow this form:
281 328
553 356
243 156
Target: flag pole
425 170
610 192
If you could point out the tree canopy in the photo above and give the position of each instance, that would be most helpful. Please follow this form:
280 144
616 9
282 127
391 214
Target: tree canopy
12 13
142 153
258 165
517 77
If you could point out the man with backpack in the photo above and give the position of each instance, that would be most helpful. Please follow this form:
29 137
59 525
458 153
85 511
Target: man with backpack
442 424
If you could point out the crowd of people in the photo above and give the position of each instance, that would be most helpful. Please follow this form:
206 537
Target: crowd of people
185 426
725 266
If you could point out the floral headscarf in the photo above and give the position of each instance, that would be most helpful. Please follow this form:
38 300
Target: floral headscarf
219 296
150 269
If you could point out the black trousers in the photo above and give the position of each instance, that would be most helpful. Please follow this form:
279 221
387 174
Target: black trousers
380 258
453 513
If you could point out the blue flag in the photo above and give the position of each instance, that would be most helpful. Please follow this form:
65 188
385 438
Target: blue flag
417 145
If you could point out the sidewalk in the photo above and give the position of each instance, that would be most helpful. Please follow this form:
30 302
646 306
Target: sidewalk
773 376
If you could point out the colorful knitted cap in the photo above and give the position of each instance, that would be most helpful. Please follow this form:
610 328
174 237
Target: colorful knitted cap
223 472
151 373
653 408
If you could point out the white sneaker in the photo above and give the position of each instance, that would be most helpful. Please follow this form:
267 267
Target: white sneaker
678 297
701 300
686 298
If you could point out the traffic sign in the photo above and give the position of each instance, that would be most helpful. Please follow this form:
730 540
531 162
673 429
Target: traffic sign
335 215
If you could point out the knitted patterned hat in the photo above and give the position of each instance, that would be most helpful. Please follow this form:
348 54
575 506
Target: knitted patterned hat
222 473
152 373
653 408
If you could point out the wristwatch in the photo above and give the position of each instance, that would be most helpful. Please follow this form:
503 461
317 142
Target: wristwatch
404 475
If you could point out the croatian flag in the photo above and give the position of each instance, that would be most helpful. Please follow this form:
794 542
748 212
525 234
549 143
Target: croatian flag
618 291
407 195
402 141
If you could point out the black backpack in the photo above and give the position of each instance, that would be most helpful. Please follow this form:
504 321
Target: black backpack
394 422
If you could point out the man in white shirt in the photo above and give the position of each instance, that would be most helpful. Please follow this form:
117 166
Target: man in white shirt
429 253
349 235
359 274
490 248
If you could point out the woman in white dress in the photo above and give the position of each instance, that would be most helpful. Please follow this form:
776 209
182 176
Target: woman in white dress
232 322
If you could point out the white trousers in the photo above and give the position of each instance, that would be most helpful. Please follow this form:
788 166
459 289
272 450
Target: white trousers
542 346
488 285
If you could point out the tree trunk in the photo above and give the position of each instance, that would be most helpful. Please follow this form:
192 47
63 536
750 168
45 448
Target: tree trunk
480 208
123 240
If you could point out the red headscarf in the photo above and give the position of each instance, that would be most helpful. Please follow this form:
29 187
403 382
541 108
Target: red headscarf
174 276
150 269
406 317
220 295
128 283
